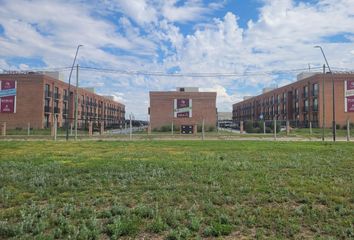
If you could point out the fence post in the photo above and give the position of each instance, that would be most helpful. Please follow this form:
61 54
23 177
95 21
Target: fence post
310 128
3 129
55 127
172 128
241 127
102 128
348 130
203 129
130 127
264 127
287 127
90 128
71 129
275 129
28 129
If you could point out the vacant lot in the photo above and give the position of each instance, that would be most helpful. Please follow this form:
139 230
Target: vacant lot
176 190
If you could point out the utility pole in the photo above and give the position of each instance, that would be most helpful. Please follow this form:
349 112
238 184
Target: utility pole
76 99
69 99
333 96
323 103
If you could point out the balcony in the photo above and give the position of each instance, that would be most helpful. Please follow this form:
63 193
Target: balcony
47 109
56 110
47 94
57 95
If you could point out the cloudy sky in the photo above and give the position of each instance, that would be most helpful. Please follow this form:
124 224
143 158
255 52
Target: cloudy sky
234 47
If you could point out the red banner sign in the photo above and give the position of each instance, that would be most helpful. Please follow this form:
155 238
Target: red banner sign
182 108
350 104
350 85
7 96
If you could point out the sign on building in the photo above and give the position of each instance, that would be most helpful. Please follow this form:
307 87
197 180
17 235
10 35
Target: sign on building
8 96
182 108
349 96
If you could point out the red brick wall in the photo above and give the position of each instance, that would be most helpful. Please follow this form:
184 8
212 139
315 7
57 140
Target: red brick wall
29 102
339 79
162 104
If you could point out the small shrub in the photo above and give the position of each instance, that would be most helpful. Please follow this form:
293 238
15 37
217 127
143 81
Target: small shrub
217 229
157 225
122 227
144 211
118 210
194 224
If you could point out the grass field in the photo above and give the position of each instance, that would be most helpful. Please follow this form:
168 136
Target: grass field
176 190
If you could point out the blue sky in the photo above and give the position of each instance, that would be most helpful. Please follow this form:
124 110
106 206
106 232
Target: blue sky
257 41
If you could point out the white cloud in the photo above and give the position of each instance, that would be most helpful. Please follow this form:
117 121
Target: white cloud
145 35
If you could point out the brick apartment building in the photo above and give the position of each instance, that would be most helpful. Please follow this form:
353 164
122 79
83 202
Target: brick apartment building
185 108
38 97
302 101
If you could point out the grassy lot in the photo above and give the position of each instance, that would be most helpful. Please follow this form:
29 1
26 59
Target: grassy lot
176 190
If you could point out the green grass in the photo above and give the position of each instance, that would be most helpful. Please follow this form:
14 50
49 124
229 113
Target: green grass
176 190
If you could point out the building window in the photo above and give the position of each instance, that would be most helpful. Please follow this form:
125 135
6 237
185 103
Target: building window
306 91
315 104
46 120
56 93
306 105
47 90
315 89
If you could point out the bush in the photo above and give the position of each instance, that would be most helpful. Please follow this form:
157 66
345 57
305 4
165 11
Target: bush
248 127
211 128
272 126
166 128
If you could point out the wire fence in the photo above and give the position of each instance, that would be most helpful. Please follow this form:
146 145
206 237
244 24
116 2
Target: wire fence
270 129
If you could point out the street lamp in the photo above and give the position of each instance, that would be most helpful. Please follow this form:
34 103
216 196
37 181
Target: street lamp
71 71
333 96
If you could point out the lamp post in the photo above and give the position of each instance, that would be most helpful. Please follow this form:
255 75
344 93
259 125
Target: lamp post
71 71
333 97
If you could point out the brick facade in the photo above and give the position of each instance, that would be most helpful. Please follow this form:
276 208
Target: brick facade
300 101
162 109
41 97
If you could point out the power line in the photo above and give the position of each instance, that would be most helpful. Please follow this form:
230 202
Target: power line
202 75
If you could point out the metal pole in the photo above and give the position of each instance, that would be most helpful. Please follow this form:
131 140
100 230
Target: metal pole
68 115
333 96
203 129
130 132
323 103
275 129
348 130
76 99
